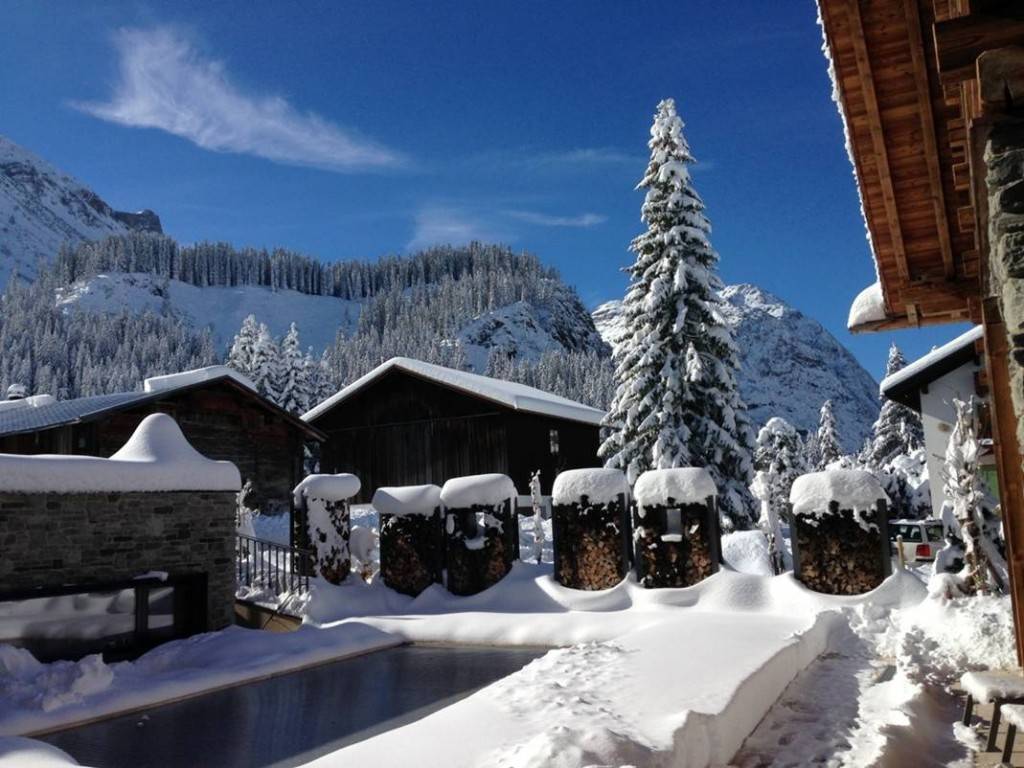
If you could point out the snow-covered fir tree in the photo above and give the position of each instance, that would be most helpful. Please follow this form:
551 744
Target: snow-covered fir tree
969 516
829 447
294 388
898 430
676 401
243 348
267 371
779 459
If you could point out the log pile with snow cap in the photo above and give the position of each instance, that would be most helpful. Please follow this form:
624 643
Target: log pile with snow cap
840 531
590 524
324 501
481 531
411 538
676 532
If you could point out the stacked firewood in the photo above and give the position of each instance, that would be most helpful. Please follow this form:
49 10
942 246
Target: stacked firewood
683 563
333 562
473 569
590 550
411 552
837 556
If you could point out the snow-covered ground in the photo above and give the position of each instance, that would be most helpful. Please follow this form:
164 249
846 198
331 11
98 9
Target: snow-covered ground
745 668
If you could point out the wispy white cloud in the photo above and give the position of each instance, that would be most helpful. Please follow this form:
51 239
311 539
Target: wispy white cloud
448 225
166 83
546 220
587 156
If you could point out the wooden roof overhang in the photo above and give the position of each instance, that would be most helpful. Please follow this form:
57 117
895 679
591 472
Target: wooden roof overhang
903 74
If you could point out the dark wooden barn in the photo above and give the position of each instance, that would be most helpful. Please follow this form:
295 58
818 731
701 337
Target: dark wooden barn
216 408
408 422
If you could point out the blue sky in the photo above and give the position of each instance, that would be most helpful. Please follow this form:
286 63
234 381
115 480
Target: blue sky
354 129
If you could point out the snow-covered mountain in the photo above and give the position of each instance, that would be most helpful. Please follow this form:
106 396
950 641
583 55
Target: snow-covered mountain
221 308
42 208
791 364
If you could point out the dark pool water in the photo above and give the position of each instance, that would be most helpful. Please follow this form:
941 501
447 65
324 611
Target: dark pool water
294 718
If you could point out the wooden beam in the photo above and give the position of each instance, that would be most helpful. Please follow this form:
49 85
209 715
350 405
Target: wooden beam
1008 460
1001 79
874 122
928 140
959 42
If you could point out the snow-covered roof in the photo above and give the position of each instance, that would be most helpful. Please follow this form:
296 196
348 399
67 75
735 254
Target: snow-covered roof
42 412
600 486
187 378
328 487
486 490
407 500
510 394
157 457
905 385
867 308
853 489
682 485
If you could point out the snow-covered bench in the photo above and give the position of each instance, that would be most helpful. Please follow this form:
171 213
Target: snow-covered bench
1002 689
1014 714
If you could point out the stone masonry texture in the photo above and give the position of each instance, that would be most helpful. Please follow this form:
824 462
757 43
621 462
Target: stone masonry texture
1004 158
48 540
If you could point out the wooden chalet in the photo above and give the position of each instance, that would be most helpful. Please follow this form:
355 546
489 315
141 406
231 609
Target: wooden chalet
218 410
408 422
932 96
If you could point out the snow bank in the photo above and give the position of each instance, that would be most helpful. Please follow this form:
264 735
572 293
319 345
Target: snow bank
868 307
195 376
157 457
939 640
600 486
747 552
407 500
852 488
327 487
488 490
684 485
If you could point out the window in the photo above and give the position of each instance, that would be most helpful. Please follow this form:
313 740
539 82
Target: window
553 441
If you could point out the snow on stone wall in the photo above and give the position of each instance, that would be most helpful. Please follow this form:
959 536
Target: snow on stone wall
157 457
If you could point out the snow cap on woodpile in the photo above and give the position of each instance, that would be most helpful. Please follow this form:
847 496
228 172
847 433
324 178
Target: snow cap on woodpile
852 489
327 487
157 457
407 500
600 486
681 485
487 490
196 376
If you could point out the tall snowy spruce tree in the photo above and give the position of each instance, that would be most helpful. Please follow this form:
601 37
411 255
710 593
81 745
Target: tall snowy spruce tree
829 448
676 400
898 431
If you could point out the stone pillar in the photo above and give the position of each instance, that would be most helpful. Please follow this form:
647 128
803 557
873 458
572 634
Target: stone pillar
1004 160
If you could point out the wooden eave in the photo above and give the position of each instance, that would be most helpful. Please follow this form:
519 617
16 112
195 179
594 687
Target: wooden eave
909 143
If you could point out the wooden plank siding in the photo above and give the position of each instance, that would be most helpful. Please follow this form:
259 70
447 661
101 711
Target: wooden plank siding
217 419
402 429
906 137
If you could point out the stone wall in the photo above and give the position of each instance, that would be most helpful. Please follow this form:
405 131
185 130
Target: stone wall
1004 158
49 540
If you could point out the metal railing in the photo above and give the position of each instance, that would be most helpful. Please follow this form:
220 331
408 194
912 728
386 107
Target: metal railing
276 568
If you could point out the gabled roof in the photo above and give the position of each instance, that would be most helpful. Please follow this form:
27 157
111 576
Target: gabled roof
30 418
518 397
906 384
